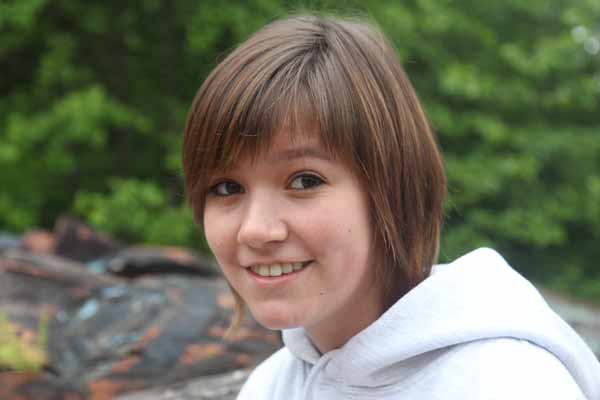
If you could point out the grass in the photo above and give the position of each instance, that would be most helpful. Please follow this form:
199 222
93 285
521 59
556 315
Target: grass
22 353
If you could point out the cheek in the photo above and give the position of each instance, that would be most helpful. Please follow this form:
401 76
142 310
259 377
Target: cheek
340 229
216 233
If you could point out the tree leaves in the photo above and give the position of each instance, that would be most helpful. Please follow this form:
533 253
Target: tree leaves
95 94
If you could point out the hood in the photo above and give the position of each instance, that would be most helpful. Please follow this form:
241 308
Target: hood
478 296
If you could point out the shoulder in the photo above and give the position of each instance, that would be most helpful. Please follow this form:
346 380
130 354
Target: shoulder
507 368
261 382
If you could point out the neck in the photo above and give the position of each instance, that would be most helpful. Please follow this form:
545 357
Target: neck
335 332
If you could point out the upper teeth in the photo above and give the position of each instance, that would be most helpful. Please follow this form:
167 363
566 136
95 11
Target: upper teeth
277 269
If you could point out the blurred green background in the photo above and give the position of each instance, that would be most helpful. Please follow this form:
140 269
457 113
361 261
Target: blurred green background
94 95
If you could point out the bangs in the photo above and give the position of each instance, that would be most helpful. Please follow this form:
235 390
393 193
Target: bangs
276 110
297 97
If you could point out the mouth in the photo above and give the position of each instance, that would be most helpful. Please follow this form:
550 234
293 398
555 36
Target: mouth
278 269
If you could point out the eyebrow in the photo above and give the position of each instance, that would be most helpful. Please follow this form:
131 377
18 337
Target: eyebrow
292 154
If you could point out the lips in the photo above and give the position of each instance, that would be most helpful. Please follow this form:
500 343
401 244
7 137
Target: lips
278 269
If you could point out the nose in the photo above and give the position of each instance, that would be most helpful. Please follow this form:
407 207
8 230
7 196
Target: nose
261 223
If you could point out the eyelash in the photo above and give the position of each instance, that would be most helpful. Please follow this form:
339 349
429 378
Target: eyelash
310 176
214 190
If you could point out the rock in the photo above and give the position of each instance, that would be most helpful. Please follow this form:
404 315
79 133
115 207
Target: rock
109 336
158 330
35 287
143 260
32 284
28 385
583 317
214 387
78 241
38 241
9 241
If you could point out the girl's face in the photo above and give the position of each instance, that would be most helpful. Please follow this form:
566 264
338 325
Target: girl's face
291 232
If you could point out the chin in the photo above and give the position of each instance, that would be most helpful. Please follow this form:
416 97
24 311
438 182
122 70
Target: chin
275 320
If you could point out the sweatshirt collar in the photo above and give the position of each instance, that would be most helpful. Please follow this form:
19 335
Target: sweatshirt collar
476 297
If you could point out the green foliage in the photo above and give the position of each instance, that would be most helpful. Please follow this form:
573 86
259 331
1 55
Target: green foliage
138 211
95 96
18 353
516 107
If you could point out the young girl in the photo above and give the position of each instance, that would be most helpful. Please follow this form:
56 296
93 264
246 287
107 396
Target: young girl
311 166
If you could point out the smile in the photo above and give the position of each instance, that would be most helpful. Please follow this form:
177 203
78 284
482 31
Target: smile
278 269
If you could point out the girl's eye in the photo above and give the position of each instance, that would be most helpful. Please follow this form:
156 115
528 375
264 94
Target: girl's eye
226 188
306 181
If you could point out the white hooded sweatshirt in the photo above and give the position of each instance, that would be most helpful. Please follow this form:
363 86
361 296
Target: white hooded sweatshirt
475 329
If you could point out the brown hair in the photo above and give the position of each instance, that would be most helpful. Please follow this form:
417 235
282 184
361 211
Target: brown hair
342 80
